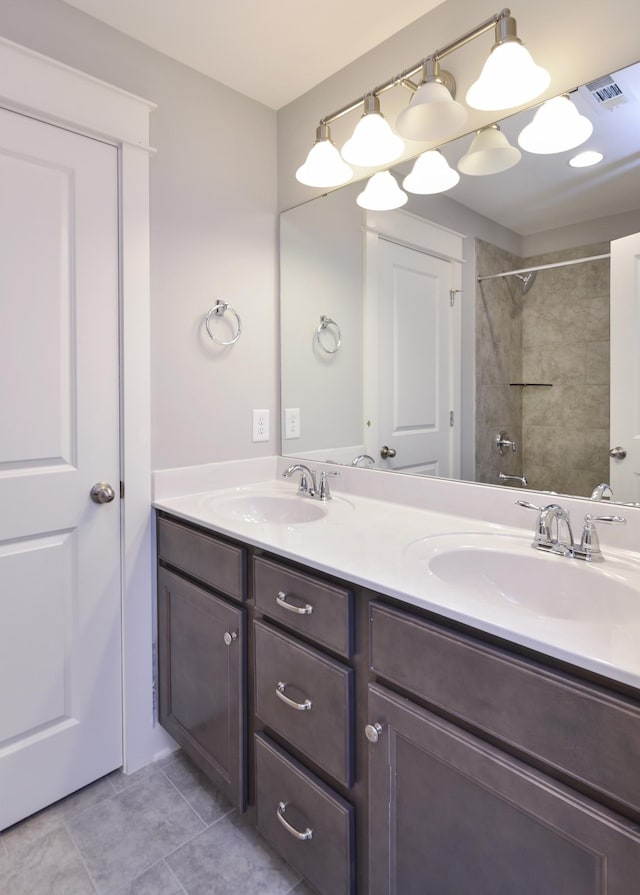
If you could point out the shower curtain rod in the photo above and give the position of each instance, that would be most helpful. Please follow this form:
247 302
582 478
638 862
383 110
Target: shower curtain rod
508 273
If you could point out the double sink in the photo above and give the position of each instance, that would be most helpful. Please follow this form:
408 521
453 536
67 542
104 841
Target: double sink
496 570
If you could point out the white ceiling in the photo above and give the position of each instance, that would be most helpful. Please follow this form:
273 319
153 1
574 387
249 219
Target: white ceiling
270 50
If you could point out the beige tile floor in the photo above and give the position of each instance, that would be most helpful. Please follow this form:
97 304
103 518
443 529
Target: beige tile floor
162 831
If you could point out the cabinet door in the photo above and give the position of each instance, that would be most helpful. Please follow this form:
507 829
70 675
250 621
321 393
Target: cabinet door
450 814
201 657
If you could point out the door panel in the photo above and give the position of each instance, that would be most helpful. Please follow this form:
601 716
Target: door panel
415 360
624 473
61 702
451 814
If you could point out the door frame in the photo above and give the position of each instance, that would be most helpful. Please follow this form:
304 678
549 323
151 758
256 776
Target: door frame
52 92
421 235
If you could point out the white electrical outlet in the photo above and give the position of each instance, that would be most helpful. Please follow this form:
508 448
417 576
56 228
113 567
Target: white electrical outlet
260 425
292 422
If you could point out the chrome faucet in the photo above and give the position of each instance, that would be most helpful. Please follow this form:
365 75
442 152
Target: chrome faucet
363 460
308 486
553 532
513 478
602 492
307 478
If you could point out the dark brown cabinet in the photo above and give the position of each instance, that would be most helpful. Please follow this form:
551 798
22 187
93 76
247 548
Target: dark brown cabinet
482 769
473 791
450 813
202 674
305 697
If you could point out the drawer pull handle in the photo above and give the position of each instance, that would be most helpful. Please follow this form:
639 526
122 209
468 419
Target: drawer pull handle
299 706
229 637
282 807
281 600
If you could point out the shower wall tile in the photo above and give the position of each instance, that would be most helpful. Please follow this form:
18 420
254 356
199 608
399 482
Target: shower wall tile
597 359
498 363
565 333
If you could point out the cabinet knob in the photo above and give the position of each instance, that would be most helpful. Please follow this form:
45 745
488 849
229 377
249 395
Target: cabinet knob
373 732
229 637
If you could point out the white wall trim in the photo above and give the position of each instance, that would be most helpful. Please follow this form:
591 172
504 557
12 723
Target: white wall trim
418 233
52 91
55 93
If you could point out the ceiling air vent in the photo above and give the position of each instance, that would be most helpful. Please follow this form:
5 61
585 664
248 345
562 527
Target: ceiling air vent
606 92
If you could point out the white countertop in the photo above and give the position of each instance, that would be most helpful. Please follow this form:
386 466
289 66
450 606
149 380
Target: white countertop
385 546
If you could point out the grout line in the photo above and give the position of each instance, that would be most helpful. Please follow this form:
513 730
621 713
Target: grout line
175 877
79 853
186 801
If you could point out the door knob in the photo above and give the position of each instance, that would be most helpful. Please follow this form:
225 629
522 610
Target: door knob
386 452
618 453
102 492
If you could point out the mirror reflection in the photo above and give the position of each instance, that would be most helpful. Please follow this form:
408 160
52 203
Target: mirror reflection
467 335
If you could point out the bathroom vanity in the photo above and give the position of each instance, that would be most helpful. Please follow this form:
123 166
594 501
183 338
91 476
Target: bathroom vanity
378 745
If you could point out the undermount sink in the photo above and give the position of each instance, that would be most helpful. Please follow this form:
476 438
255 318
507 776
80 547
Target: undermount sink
284 510
509 574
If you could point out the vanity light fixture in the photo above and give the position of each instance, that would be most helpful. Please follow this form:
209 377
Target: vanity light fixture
490 153
382 193
509 78
372 143
432 113
586 159
431 174
324 166
556 127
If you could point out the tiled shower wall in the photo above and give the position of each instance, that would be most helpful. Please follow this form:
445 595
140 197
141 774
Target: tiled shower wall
558 334
565 340
498 363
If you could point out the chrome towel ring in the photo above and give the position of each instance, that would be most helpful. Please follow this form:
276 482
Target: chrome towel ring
337 335
219 310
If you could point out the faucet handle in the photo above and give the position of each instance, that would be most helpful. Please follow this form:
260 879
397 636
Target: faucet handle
590 543
529 506
611 520
324 493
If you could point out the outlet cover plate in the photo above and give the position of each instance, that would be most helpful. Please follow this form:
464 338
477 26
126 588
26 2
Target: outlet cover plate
260 425
292 422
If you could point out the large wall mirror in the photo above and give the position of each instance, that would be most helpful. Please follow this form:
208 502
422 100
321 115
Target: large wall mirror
472 334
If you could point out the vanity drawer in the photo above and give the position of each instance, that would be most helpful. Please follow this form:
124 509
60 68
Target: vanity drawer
290 675
578 729
306 604
214 562
319 839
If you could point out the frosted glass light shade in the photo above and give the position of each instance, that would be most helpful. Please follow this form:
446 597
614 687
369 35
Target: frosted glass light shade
324 166
382 193
556 126
509 78
372 143
431 174
432 114
490 153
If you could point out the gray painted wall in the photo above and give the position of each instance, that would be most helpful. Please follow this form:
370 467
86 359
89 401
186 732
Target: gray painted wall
214 181
213 233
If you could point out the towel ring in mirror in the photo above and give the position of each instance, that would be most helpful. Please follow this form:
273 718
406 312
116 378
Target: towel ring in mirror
324 323
219 310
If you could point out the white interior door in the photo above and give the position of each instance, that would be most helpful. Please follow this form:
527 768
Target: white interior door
415 361
625 366
60 637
